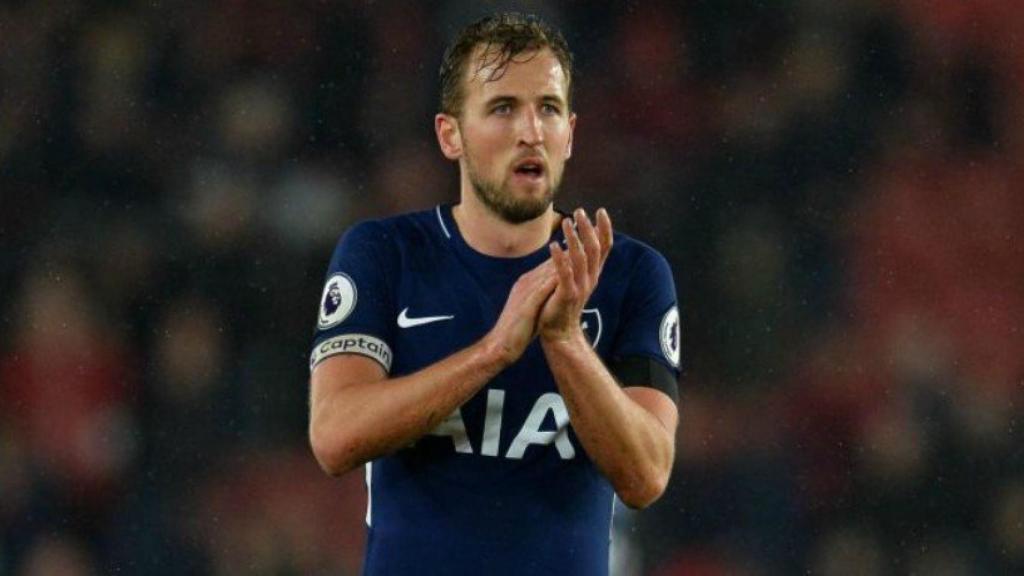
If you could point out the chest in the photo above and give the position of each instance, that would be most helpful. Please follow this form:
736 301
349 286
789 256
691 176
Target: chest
441 306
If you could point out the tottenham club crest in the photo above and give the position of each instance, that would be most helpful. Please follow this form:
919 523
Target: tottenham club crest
590 322
337 302
669 334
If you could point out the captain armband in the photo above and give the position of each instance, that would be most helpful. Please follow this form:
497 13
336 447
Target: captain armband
364 344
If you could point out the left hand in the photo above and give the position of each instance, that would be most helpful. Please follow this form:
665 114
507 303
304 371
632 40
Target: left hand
578 269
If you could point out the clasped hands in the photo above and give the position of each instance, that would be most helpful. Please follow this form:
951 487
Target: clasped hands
548 300
576 269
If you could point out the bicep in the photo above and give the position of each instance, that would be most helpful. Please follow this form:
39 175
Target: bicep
334 403
645 348
333 375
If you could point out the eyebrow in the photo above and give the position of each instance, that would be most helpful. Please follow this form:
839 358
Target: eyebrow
504 99
499 100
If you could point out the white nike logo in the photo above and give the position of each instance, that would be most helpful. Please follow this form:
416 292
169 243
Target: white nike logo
405 322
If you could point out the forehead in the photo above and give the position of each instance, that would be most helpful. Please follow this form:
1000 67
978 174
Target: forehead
529 73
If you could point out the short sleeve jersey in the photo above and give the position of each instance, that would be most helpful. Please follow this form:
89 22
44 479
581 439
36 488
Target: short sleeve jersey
503 486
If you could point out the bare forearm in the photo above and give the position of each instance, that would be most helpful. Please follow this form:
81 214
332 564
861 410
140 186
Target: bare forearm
356 415
365 420
628 444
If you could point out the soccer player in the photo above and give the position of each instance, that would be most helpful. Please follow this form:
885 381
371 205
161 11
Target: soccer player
501 369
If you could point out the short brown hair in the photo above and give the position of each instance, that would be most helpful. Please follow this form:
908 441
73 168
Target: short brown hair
506 36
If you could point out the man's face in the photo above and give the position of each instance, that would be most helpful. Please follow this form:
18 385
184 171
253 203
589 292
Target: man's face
516 133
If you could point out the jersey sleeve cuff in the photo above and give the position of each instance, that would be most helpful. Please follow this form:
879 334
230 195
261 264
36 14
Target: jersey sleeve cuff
645 371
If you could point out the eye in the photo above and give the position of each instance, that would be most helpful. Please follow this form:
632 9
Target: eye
502 109
551 109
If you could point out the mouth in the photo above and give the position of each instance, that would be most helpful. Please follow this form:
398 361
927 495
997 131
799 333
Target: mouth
529 169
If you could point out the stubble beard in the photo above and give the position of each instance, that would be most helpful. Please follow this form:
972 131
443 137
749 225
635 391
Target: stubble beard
500 199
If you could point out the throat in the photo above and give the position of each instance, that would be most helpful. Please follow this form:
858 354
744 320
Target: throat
490 235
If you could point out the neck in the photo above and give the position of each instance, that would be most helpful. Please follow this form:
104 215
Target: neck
488 234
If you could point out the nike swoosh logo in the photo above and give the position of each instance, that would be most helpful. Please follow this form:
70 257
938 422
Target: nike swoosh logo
405 322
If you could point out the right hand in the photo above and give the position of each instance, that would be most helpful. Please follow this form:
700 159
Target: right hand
517 325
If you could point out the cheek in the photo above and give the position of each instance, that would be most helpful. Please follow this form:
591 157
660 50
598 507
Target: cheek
559 139
487 151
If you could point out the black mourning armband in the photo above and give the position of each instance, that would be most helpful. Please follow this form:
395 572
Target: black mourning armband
644 371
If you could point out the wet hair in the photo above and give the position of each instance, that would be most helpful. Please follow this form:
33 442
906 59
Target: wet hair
503 36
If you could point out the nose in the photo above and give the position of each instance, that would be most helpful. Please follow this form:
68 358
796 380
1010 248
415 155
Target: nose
531 128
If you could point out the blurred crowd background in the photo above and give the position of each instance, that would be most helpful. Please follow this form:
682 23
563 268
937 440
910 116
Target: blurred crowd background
837 185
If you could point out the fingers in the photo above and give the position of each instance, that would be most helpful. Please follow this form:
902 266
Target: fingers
531 292
604 233
536 278
542 281
566 288
577 256
594 244
591 244
542 291
573 272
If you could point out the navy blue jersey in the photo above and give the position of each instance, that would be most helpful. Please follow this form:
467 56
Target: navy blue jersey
503 486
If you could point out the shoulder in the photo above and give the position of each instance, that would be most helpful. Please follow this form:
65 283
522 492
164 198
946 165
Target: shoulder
411 228
632 257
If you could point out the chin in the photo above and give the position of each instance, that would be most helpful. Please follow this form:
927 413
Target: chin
515 202
523 212
519 208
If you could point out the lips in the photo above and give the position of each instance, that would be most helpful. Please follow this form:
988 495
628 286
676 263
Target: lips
531 167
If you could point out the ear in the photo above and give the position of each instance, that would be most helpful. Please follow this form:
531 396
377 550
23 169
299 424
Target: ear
572 130
448 136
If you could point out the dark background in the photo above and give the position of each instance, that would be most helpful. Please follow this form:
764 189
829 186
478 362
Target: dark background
836 185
